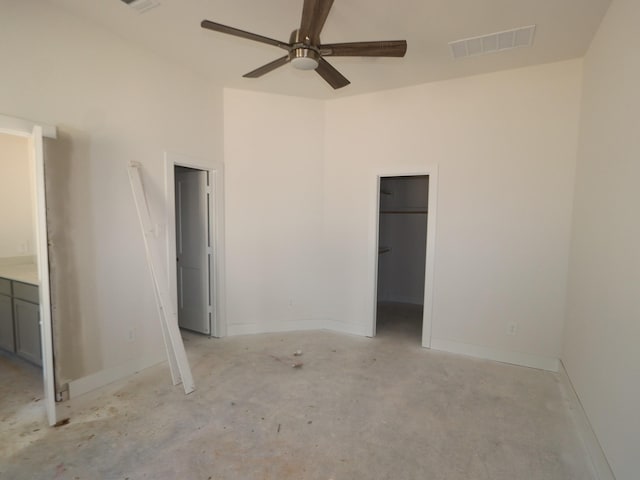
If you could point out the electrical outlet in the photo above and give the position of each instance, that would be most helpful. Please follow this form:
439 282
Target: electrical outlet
131 334
512 328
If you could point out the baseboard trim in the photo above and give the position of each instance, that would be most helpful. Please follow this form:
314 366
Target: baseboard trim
515 358
347 328
109 375
277 327
297 326
597 457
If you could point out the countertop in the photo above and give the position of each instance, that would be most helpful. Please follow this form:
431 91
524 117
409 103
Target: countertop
21 272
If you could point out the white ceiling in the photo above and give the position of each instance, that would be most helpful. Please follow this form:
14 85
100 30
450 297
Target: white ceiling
564 30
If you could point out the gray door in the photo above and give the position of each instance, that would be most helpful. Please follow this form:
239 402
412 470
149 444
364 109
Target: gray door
192 249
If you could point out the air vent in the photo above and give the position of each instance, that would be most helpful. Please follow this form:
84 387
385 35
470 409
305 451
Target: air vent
494 42
142 6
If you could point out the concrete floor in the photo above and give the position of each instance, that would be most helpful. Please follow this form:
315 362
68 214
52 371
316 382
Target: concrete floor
358 408
21 393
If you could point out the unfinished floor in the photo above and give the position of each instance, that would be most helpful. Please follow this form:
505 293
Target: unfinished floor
358 408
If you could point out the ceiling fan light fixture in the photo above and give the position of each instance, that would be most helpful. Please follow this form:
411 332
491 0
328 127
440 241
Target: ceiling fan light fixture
304 58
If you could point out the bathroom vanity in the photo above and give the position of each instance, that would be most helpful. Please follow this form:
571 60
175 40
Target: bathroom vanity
20 312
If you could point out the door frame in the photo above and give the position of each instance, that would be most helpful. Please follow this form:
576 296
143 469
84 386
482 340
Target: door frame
429 271
216 227
36 132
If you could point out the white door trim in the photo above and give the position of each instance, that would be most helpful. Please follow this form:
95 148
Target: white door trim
427 315
35 133
24 128
216 224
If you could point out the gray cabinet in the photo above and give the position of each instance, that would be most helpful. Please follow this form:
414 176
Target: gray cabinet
6 323
26 321
20 320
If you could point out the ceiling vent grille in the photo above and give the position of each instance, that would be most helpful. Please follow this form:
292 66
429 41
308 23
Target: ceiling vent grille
494 42
142 6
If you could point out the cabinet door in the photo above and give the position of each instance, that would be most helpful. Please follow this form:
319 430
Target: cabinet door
6 324
27 324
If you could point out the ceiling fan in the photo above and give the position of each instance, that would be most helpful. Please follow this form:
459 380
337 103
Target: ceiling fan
304 50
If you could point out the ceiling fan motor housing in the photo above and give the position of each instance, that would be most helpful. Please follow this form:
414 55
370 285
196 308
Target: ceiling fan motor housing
303 55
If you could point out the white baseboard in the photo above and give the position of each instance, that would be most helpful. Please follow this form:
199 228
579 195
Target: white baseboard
297 326
109 375
598 459
349 329
515 358
274 327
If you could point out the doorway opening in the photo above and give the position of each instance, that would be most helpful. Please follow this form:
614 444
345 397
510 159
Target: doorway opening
195 243
194 250
403 210
26 342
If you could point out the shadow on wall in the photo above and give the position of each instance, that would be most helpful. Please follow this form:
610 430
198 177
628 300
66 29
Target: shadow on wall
71 253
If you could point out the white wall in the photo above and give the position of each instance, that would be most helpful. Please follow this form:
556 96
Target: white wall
300 191
273 202
17 232
113 104
601 352
505 144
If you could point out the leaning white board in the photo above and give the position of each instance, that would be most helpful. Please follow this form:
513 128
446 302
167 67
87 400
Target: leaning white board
178 362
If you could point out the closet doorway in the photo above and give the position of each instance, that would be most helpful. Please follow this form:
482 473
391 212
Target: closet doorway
405 258
193 249
195 242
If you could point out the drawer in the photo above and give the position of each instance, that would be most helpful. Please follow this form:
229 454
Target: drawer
26 292
5 286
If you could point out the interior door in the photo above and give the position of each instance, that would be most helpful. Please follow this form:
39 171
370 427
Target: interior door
192 250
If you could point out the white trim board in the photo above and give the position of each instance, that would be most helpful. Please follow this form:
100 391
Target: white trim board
178 362
596 455
109 375
514 358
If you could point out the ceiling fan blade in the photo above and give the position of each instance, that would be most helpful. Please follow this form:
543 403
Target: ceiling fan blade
392 48
332 76
218 27
314 15
258 72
